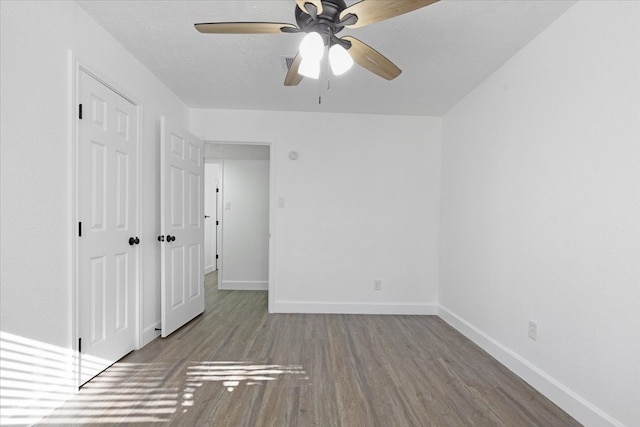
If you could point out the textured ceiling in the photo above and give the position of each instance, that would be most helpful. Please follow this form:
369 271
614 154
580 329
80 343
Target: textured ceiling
444 50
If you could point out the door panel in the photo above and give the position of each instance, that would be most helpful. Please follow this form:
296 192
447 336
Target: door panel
182 214
177 276
107 209
122 285
122 190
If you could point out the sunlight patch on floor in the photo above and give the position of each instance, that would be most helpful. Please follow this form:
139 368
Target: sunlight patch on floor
37 385
232 374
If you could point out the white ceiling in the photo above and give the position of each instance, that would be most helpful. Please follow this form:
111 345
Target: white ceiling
444 50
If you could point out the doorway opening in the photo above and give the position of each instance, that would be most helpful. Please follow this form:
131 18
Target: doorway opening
241 204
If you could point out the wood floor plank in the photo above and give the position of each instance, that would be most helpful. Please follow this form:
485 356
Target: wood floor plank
237 365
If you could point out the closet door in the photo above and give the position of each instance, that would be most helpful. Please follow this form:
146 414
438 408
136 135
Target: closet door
107 229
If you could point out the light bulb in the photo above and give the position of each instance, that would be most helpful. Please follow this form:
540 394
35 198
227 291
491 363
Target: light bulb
339 59
309 68
312 47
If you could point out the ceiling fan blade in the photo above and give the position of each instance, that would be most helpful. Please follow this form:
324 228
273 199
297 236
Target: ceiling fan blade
293 78
369 58
245 28
370 11
316 3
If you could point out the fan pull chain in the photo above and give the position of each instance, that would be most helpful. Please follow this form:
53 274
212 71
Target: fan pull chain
328 80
328 87
319 92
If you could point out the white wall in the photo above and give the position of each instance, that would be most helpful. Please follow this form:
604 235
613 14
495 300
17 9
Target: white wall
541 213
245 225
217 151
211 182
361 203
36 186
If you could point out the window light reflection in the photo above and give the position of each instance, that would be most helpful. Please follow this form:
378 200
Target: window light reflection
37 385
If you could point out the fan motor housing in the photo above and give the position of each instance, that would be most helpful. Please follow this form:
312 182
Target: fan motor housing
327 23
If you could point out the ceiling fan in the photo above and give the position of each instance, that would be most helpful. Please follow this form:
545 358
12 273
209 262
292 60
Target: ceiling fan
322 20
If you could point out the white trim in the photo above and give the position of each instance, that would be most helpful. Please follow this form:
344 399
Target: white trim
576 406
140 285
238 285
353 308
220 230
73 212
77 65
271 296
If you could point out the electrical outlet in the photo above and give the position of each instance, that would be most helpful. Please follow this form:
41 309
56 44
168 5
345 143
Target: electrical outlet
533 330
377 285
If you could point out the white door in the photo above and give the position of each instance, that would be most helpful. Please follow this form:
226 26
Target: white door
210 216
216 233
107 214
182 216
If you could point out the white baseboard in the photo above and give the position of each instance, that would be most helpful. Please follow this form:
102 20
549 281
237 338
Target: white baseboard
149 334
237 285
353 308
582 410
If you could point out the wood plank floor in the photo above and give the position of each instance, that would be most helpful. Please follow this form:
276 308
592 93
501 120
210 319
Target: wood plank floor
236 365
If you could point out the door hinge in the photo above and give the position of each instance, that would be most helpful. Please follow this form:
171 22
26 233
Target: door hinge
79 345
217 256
217 190
217 222
80 111
80 229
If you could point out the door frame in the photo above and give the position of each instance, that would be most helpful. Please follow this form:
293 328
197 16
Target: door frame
271 285
76 66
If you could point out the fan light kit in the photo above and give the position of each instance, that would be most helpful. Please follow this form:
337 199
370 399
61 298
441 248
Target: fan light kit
339 60
322 20
312 51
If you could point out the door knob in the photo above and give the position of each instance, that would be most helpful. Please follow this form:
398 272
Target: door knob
160 238
133 241
171 238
